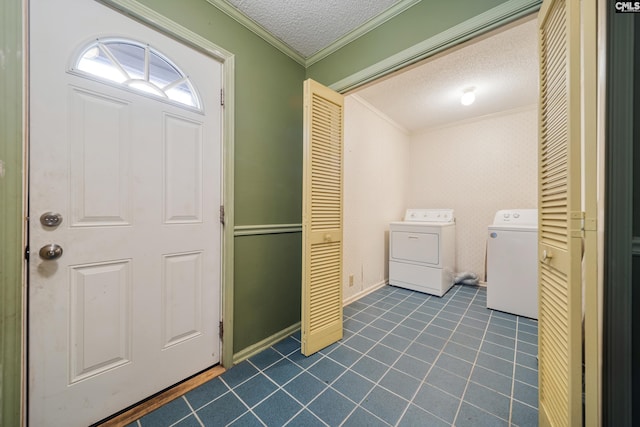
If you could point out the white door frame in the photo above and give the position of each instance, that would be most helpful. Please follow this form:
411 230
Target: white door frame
166 26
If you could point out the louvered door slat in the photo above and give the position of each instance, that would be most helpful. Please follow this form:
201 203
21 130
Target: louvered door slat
559 340
322 218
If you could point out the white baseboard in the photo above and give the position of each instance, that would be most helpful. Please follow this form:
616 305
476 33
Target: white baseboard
256 348
364 292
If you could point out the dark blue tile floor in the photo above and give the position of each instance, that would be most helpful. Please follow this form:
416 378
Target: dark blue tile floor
406 359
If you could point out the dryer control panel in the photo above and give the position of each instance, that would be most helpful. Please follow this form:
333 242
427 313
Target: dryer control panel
429 215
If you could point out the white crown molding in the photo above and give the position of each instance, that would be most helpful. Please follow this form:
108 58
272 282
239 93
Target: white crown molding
491 19
261 32
476 119
256 28
371 24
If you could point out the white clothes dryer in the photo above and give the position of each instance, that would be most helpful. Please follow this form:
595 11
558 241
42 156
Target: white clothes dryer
422 251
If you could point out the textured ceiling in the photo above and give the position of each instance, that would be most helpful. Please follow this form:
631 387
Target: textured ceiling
503 68
308 26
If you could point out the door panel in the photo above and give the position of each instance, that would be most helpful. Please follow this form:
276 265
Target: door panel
133 303
100 146
322 217
100 301
182 170
560 217
182 293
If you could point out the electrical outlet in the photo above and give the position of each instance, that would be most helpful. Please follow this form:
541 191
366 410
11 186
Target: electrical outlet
351 280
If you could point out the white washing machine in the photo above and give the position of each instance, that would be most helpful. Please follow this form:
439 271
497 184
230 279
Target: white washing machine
422 251
512 262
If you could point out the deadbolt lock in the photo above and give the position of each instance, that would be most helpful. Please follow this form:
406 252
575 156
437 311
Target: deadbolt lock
50 219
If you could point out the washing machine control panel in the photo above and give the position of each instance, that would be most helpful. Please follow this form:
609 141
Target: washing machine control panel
516 217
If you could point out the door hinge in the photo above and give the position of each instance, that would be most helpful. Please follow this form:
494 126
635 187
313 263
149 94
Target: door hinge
26 253
221 329
222 214
222 97
576 225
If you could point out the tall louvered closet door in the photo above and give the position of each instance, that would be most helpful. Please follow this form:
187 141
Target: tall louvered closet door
560 222
322 217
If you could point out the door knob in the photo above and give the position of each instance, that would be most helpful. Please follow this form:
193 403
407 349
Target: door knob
50 251
50 219
546 255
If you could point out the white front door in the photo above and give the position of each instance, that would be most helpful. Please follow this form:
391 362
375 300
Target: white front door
132 304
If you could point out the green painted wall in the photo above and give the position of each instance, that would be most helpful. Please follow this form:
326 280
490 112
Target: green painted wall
416 24
273 306
11 105
268 169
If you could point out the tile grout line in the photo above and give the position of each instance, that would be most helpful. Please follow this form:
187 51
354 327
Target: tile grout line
473 365
281 387
192 411
379 341
513 376
424 379
229 390
390 366
278 388
249 410
346 369
377 383
358 404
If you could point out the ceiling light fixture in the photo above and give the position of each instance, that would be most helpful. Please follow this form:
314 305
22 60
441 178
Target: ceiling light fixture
468 96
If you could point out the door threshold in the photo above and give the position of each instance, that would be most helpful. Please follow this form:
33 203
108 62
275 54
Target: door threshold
139 410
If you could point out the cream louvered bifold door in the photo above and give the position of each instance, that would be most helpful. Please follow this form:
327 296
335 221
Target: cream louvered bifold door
560 222
322 218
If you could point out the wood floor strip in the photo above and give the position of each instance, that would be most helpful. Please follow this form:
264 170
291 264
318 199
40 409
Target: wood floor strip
163 398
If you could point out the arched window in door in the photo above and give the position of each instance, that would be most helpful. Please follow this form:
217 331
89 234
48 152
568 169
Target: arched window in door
139 67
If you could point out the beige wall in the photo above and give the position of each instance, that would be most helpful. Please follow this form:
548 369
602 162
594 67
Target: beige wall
476 167
376 155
